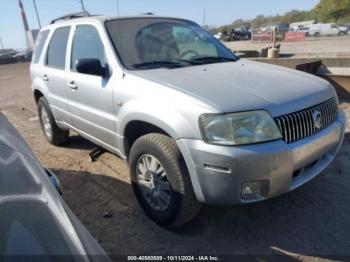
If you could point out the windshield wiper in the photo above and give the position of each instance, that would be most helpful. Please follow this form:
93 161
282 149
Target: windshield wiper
162 63
211 59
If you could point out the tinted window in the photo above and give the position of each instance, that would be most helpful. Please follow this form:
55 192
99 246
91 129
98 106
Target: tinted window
56 52
87 44
150 40
39 44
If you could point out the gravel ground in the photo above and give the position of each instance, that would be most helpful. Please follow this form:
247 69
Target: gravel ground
325 47
309 223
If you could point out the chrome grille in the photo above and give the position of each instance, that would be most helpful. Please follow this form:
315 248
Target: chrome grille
301 124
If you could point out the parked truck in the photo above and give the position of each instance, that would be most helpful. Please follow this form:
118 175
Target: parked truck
317 30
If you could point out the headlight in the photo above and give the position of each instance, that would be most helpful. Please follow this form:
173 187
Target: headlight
239 128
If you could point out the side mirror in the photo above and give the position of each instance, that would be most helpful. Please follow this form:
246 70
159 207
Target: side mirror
91 66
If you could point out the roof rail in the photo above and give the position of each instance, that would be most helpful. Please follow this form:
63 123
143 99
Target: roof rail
71 16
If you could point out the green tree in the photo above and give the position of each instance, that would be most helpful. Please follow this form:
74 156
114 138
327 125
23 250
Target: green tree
325 11
332 10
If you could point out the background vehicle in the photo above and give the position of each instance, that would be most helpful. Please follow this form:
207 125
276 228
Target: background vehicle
34 218
218 35
325 30
343 30
281 29
237 35
195 123
304 30
301 26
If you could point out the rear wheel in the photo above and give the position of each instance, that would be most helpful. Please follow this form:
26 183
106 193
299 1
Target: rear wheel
161 181
53 134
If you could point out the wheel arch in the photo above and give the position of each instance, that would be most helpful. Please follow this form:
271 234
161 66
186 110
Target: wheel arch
37 95
39 89
136 128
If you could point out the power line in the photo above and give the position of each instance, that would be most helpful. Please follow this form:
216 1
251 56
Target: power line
82 6
118 13
204 17
37 14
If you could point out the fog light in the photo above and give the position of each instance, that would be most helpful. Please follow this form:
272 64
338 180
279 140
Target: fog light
254 190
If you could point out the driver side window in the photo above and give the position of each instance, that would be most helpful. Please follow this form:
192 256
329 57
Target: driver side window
188 40
87 44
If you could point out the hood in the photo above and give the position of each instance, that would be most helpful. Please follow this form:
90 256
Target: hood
245 85
34 218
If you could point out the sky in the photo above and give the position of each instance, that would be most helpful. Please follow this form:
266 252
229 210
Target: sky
218 12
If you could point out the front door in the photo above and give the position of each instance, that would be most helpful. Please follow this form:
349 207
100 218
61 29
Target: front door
91 96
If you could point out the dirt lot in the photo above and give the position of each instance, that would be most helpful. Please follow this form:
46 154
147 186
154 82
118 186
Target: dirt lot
313 47
311 222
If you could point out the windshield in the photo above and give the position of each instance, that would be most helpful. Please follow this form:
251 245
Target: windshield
148 43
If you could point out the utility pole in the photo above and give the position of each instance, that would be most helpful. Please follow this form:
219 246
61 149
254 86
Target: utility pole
37 14
82 6
25 23
2 45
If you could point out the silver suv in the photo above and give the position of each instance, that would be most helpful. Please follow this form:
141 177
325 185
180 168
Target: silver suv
195 123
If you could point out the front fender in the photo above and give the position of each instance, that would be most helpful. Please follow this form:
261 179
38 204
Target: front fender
162 114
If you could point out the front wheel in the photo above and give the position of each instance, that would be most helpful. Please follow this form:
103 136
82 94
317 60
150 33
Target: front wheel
161 181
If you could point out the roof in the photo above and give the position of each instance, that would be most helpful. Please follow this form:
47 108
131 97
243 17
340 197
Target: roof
103 18
302 23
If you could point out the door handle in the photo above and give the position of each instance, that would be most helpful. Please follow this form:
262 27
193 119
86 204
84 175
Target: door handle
72 85
45 78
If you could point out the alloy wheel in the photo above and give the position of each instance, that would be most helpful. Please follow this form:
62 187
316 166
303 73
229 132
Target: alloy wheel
153 182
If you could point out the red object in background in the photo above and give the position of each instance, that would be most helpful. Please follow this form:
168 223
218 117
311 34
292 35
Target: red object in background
294 36
262 37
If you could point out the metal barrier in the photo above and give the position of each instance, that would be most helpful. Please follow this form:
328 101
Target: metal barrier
266 36
261 36
294 36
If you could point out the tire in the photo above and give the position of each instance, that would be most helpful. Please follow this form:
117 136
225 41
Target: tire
341 33
183 205
317 34
56 136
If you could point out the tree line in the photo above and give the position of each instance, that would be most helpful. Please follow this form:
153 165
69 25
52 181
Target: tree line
326 11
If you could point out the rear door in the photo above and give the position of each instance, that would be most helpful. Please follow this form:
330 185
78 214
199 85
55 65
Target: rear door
55 75
91 96
36 66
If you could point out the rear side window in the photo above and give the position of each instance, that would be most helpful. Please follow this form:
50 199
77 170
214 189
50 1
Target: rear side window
87 44
39 44
56 51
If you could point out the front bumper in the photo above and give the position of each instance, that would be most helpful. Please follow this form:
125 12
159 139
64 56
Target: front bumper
217 172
